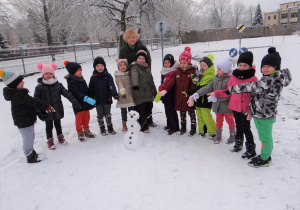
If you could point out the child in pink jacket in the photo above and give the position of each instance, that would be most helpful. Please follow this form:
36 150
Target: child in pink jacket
239 104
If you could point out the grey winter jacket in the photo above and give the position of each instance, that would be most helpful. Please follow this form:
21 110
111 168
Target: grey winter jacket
217 83
124 84
141 79
266 93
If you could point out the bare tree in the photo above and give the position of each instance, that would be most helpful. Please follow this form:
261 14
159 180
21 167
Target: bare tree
218 9
237 12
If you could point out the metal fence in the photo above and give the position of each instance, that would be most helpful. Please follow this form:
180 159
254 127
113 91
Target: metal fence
23 60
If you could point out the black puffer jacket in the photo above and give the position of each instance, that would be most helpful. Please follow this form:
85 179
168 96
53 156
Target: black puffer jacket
78 87
51 94
102 87
23 106
129 52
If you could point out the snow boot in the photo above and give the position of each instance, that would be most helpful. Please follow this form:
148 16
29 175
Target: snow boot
250 151
231 138
183 128
50 143
238 145
110 129
258 162
33 157
124 126
193 130
103 130
61 139
81 136
211 136
166 128
89 134
218 137
153 124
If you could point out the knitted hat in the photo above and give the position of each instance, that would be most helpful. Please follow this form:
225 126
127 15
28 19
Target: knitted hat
225 65
208 60
122 60
47 68
72 67
141 52
186 55
99 60
246 57
11 79
170 58
272 59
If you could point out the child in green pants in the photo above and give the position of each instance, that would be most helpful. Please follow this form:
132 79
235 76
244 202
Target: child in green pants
264 100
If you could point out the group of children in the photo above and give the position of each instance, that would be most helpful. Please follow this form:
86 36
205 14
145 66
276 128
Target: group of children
183 88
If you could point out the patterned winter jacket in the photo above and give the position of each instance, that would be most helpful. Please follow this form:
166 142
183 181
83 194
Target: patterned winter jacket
102 87
124 84
23 106
265 93
237 102
218 83
51 92
182 81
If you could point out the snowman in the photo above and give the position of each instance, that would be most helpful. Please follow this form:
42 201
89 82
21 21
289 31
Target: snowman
132 138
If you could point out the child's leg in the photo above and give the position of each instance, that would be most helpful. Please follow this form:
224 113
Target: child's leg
79 121
149 114
86 120
238 123
167 112
172 117
264 128
246 126
124 114
28 139
141 109
208 120
182 117
57 125
201 122
49 128
230 121
107 114
100 114
219 120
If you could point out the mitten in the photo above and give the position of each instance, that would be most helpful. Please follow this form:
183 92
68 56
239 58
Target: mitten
123 94
89 100
77 105
226 92
163 92
50 109
116 97
212 99
157 97
190 102
135 88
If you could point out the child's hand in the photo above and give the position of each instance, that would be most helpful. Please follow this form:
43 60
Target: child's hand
89 100
123 94
226 92
50 109
212 99
212 94
116 97
249 117
191 102
163 92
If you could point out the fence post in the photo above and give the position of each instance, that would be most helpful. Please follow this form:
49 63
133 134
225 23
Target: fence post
92 50
107 49
21 52
151 44
74 52
52 55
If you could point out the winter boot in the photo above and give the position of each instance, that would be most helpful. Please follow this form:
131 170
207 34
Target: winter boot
193 129
218 137
238 145
33 157
124 126
50 143
258 162
183 128
153 124
211 136
110 129
81 136
250 151
166 128
231 138
89 134
61 139
103 130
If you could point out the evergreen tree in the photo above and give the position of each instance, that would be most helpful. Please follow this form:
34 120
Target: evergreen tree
258 19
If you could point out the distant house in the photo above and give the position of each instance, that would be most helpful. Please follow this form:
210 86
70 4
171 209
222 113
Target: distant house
289 13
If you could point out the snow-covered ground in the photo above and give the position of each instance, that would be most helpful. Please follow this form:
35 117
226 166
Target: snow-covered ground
168 172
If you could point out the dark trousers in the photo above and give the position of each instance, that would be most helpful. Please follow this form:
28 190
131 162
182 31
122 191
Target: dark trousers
124 112
145 111
243 127
49 128
103 111
171 115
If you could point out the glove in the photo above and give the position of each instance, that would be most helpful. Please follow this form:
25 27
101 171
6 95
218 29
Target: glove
226 92
157 97
163 92
135 88
116 97
123 94
195 96
77 105
212 99
89 100
50 109
191 102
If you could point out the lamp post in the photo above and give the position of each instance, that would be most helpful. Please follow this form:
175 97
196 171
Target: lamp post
161 40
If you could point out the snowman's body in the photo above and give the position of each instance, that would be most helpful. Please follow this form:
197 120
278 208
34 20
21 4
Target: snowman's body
132 138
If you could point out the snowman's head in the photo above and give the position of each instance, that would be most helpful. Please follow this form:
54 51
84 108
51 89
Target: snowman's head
132 116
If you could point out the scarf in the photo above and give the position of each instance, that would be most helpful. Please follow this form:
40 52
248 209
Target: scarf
243 74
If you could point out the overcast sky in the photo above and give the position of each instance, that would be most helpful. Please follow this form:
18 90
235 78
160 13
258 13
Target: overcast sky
267 5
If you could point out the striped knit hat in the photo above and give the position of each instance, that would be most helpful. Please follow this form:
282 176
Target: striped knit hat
10 79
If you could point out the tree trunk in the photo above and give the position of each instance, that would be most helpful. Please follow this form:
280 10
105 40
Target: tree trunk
48 28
